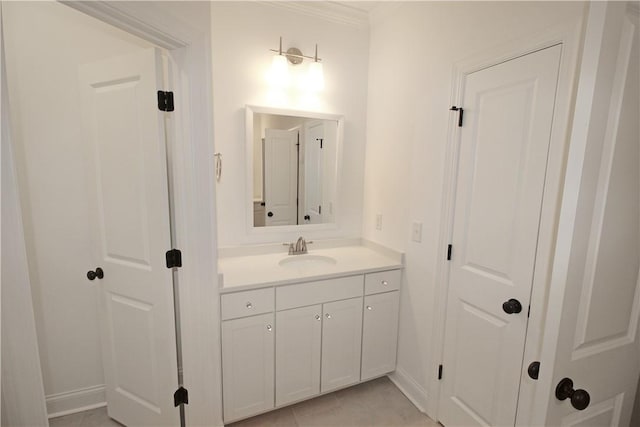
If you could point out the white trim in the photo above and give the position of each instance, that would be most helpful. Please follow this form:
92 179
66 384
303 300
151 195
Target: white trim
569 37
410 388
329 11
70 402
116 16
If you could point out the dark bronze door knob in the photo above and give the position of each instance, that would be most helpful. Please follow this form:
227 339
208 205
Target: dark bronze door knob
512 306
91 275
579 398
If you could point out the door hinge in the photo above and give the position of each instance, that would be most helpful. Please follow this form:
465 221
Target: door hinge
439 372
449 250
174 258
529 311
321 140
319 210
461 113
165 101
181 397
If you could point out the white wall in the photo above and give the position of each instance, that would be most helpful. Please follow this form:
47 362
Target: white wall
242 34
413 49
45 43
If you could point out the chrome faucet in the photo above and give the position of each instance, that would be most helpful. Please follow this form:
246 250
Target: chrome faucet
299 247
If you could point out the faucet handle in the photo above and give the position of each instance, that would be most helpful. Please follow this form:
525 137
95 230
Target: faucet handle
292 248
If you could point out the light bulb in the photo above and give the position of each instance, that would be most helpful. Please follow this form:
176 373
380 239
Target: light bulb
315 79
279 72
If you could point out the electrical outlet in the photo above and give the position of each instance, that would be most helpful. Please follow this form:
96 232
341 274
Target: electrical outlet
416 232
379 222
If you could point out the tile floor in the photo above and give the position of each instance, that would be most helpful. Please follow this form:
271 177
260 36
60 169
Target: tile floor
94 418
374 403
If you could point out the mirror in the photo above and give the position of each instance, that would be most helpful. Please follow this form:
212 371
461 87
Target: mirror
293 166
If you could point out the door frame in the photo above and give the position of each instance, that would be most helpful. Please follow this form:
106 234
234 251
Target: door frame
192 178
569 36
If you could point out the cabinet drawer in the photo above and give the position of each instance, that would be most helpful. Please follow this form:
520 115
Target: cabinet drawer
248 303
311 293
384 281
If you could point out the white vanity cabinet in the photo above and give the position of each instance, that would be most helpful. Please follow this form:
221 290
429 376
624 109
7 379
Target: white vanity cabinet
323 338
248 345
341 343
379 334
380 323
286 343
298 340
318 345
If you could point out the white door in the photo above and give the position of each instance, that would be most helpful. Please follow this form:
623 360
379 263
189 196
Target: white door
594 303
130 207
313 167
341 343
247 366
504 141
298 353
281 177
379 334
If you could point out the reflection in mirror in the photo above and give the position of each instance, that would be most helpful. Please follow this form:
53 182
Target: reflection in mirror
294 169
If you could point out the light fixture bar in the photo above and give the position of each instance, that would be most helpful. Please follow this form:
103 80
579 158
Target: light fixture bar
293 53
315 58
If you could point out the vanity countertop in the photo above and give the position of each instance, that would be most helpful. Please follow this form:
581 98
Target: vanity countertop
252 269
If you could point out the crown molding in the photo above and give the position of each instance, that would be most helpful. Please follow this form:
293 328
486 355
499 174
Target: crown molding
330 11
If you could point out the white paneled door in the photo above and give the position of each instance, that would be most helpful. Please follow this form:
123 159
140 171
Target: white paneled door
508 110
129 201
281 176
592 338
313 168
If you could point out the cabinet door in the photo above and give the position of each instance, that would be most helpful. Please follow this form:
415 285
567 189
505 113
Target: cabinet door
341 343
298 353
379 334
247 366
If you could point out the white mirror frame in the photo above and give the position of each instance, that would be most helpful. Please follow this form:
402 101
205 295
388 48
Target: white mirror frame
250 110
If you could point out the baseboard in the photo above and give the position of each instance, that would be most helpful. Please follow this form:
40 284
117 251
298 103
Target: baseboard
70 402
410 388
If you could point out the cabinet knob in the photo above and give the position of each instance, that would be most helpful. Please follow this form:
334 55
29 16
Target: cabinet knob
369 308
269 328
317 317
328 316
249 305
384 283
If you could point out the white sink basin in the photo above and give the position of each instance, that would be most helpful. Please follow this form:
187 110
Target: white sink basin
306 261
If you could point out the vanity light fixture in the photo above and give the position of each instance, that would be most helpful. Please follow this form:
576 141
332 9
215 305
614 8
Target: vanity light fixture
279 73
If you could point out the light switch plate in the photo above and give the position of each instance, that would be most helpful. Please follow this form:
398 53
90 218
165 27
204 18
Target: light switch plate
379 222
416 232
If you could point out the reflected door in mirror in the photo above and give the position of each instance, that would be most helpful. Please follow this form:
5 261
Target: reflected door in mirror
280 176
313 150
